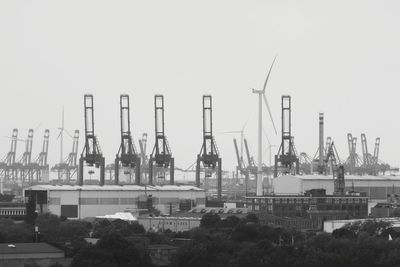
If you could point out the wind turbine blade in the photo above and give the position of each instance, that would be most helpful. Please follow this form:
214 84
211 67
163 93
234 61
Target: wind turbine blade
230 132
65 130
269 111
269 72
244 126
266 136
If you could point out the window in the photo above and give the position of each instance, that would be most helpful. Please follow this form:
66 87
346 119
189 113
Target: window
69 211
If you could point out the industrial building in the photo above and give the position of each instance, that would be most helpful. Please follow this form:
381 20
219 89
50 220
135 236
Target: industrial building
377 188
314 205
92 200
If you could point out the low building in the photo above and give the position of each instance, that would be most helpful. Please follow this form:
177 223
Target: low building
175 224
92 200
31 254
315 205
376 187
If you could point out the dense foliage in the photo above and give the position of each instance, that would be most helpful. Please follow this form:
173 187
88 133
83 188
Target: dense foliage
247 243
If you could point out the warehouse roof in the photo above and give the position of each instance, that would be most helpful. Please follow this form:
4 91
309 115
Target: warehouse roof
347 177
115 188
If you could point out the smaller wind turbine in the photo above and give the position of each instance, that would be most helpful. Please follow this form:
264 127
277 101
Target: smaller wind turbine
61 136
241 137
261 97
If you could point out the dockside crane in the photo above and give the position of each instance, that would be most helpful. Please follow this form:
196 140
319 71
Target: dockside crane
286 161
8 164
91 154
251 165
40 166
209 154
24 163
144 168
68 167
126 155
161 156
337 169
240 168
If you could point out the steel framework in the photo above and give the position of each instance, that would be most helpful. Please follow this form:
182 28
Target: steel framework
126 155
161 156
209 154
91 153
286 161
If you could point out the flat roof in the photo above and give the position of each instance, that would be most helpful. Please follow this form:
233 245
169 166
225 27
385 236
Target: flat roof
346 177
115 188
27 248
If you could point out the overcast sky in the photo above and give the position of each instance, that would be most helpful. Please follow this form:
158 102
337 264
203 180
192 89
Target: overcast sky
337 57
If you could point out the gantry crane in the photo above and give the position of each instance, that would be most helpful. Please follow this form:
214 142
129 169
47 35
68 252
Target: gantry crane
240 168
209 154
286 161
337 170
161 156
68 167
126 155
24 164
144 167
40 166
91 153
7 165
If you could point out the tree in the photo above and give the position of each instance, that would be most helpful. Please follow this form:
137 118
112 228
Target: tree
112 250
251 218
210 220
31 213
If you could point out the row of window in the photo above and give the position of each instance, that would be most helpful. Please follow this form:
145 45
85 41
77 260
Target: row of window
313 200
11 212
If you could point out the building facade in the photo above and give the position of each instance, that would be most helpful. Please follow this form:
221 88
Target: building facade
91 200
315 205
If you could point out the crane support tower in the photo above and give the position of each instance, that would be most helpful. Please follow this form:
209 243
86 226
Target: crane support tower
337 170
91 153
69 166
286 160
41 166
7 165
161 156
209 154
126 155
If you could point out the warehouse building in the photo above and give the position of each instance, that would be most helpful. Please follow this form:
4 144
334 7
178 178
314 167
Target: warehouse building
93 200
377 188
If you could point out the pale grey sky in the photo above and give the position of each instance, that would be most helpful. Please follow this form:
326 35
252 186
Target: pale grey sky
337 57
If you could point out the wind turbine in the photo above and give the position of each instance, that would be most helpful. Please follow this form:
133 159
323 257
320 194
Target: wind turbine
61 136
241 137
261 97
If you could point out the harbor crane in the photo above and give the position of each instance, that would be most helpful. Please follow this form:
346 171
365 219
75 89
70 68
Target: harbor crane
337 170
40 166
286 161
209 154
91 153
127 155
161 156
68 167
144 168
7 165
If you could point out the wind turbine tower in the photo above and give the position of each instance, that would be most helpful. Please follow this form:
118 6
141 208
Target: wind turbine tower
261 97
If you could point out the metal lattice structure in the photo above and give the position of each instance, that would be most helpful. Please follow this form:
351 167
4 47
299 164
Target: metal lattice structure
286 161
127 155
91 154
209 154
161 156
